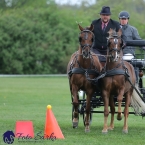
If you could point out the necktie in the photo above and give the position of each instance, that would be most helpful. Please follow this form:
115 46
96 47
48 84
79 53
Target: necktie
104 27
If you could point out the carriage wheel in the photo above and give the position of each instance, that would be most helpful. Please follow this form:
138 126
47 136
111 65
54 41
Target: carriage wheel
91 115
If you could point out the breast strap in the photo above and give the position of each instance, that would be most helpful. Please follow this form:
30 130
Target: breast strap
83 71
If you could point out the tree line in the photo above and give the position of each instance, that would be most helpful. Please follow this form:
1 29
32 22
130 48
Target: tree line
39 38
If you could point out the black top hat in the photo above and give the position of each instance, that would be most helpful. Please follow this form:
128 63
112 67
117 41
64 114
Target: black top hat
105 10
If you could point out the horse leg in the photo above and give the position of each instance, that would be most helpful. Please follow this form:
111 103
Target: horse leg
88 109
106 112
119 99
76 105
112 109
126 112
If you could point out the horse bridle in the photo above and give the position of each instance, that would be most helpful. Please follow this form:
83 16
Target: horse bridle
117 51
86 37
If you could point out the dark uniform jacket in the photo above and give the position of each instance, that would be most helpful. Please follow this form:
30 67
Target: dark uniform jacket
100 36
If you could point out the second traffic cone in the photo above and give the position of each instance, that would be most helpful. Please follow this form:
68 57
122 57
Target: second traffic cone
52 129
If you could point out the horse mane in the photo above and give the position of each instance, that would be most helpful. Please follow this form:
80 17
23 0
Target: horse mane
113 33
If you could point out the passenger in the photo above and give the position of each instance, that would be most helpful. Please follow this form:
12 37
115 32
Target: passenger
128 33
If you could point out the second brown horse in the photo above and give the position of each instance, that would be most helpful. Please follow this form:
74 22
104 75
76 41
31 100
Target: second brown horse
119 81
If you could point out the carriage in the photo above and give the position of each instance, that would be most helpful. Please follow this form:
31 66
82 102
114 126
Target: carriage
96 100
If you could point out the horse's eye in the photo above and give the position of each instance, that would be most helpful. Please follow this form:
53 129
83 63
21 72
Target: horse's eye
92 40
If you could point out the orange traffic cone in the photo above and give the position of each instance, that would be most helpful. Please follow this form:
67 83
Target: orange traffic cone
24 129
52 129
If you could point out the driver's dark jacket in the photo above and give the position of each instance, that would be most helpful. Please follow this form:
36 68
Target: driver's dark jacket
100 37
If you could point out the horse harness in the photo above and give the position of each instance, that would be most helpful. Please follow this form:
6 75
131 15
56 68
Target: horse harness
81 70
116 70
104 72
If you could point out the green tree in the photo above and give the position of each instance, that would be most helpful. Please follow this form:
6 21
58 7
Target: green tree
38 37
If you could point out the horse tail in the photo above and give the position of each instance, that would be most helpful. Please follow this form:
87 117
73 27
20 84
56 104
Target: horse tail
137 103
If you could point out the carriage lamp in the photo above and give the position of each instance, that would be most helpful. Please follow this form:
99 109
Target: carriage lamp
141 73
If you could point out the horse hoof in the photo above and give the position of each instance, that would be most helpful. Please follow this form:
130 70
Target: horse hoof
125 131
75 127
87 130
75 124
119 117
110 128
104 131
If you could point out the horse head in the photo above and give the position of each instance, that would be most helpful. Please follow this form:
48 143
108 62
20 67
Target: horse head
86 39
115 45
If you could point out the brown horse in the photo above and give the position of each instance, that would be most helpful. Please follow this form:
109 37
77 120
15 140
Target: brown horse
119 81
83 64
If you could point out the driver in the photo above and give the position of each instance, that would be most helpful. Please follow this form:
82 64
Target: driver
101 28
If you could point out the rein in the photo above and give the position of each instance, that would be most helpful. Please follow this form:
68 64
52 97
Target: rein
134 87
116 70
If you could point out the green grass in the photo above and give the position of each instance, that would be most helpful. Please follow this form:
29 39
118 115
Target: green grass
27 98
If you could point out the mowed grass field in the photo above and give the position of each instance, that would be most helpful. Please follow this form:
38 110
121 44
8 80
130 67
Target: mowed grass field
26 99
